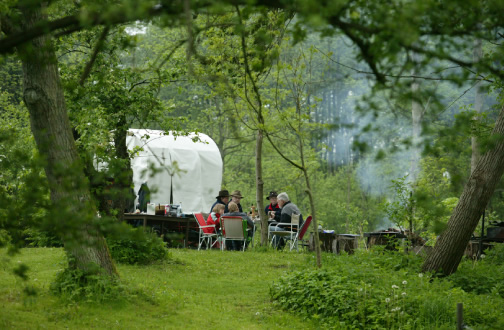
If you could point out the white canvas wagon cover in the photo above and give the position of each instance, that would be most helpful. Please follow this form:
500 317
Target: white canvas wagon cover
176 165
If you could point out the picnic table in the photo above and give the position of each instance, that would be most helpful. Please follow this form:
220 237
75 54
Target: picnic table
164 224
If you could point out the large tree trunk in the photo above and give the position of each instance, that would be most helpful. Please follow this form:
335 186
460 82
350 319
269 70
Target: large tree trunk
451 244
43 96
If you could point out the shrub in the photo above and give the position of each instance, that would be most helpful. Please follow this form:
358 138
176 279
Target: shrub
75 285
495 255
41 238
4 237
137 246
481 277
381 290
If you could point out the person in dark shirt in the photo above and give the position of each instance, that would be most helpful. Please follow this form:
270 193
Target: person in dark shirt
273 207
236 197
143 197
223 199
288 209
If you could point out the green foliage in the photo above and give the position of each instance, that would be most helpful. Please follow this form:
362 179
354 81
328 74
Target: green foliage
495 255
484 276
137 246
77 285
219 97
400 209
428 203
41 238
375 291
4 237
24 196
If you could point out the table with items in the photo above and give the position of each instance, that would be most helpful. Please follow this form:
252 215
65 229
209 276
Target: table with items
169 228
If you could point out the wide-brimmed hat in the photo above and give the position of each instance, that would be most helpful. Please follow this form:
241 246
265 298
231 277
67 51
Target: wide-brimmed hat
272 194
223 193
236 193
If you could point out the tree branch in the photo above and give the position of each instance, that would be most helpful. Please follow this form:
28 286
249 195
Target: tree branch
98 47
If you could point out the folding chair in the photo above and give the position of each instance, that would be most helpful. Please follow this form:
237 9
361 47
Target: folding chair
291 229
206 232
233 228
300 234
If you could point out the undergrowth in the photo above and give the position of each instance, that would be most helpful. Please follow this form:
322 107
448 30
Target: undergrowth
137 246
485 276
375 290
77 285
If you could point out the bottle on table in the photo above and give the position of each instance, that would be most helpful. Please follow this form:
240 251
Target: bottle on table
253 213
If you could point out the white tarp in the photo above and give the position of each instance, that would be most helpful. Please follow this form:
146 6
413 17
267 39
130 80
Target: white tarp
191 171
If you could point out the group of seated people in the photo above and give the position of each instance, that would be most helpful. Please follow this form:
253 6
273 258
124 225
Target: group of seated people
280 210
233 208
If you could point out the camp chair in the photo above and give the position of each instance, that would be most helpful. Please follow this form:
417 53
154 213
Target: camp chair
291 229
206 232
300 234
233 228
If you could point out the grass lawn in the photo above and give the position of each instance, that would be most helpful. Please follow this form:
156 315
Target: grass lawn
201 289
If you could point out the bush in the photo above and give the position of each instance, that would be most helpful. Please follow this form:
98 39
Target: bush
75 285
495 255
41 238
485 276
137 246
4 238
381 290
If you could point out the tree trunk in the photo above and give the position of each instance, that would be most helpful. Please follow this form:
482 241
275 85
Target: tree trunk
260 189
43 96
478 104
312 204
314 218
451 244
416 116
123 179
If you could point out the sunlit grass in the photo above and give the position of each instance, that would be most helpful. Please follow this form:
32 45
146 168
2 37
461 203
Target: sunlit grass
198 289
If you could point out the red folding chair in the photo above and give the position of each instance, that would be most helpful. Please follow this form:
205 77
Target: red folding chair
300 234
206 232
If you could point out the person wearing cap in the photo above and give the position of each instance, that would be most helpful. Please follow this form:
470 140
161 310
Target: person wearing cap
273 207
223 199
236 197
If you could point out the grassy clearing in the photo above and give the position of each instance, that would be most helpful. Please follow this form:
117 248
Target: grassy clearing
231 290
200 289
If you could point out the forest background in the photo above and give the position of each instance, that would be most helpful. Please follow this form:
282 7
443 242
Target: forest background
365 147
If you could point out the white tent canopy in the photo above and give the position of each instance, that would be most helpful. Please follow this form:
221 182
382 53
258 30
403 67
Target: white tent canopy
175 165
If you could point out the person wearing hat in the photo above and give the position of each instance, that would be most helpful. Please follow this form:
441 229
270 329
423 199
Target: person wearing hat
273 207
223 199
236 197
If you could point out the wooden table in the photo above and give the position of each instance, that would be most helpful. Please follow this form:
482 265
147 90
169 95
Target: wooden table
149 220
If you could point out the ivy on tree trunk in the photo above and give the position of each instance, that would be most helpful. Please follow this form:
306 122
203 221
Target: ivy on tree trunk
76 214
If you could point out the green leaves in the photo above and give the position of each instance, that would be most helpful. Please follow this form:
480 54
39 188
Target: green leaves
379 289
